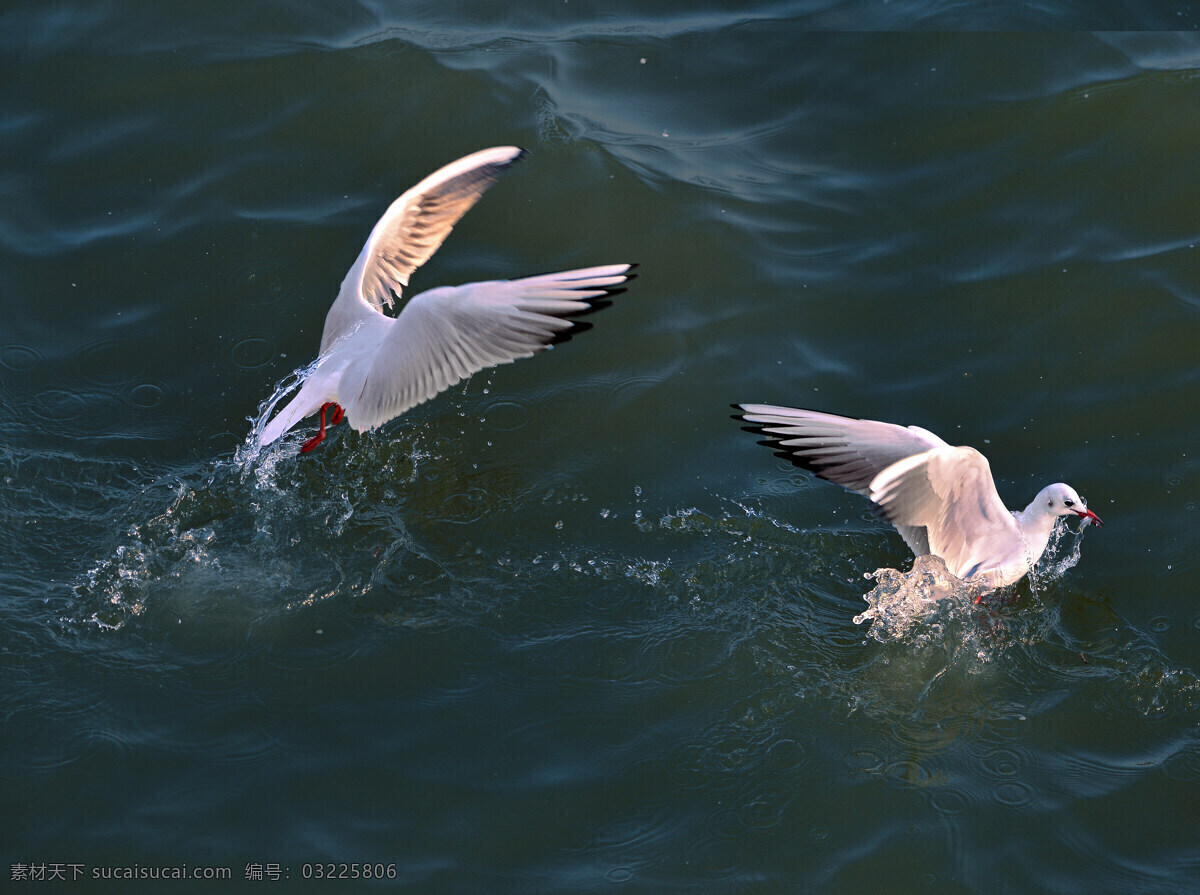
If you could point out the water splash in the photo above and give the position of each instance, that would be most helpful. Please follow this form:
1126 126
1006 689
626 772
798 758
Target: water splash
168 546
251 449
1060 556
239 544
900 599
223 538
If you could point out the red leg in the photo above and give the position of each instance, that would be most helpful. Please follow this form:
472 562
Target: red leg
335 418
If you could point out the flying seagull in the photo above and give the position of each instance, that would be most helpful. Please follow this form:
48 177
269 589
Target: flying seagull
374 367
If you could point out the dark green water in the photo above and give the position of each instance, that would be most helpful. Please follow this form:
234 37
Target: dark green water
566 628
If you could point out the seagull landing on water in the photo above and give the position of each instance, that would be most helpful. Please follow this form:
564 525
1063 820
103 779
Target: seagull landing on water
940 498
373 367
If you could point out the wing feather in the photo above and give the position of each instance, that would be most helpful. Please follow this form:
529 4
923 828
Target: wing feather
847 451
950 492
410 231
417 223
444 335
843 450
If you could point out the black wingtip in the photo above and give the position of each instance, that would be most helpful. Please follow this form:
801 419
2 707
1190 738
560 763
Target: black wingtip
772 441
599 302
587 307
577 326
759 430
593 305
756 429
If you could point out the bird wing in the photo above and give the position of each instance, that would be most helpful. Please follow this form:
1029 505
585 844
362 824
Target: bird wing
410 231
843 450
950 492
840 449
444 335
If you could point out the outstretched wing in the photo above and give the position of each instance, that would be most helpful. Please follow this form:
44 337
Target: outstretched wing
950 492
444 335
840 449
410 231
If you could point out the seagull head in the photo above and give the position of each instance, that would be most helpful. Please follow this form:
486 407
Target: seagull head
1061 500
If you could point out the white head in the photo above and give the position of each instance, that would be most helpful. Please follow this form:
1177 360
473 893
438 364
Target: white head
1061 500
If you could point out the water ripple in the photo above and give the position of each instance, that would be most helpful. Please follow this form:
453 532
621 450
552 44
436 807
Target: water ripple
1005 762
506 416
952 801
56 405
19 358
1184 765
253 351
1013 793
147 395
262 283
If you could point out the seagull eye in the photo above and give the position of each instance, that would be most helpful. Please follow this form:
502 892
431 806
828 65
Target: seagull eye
1069 502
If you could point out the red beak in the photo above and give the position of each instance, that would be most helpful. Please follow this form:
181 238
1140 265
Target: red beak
1088 514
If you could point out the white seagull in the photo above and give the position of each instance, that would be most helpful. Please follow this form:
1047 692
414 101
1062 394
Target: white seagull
940 498
373 367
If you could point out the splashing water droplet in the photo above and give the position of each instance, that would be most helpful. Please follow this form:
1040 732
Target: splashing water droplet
900 599
249 452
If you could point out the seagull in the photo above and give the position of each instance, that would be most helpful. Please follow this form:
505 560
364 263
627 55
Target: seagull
941 499
373 367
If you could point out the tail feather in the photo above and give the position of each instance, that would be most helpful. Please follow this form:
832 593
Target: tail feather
300 407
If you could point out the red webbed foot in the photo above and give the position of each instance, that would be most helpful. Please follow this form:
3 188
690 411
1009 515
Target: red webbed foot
334 419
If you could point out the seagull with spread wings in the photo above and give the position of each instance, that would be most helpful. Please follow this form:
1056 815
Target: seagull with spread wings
941 499
374 367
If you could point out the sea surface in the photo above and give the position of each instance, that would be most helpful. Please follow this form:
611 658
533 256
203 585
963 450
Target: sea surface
566 628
